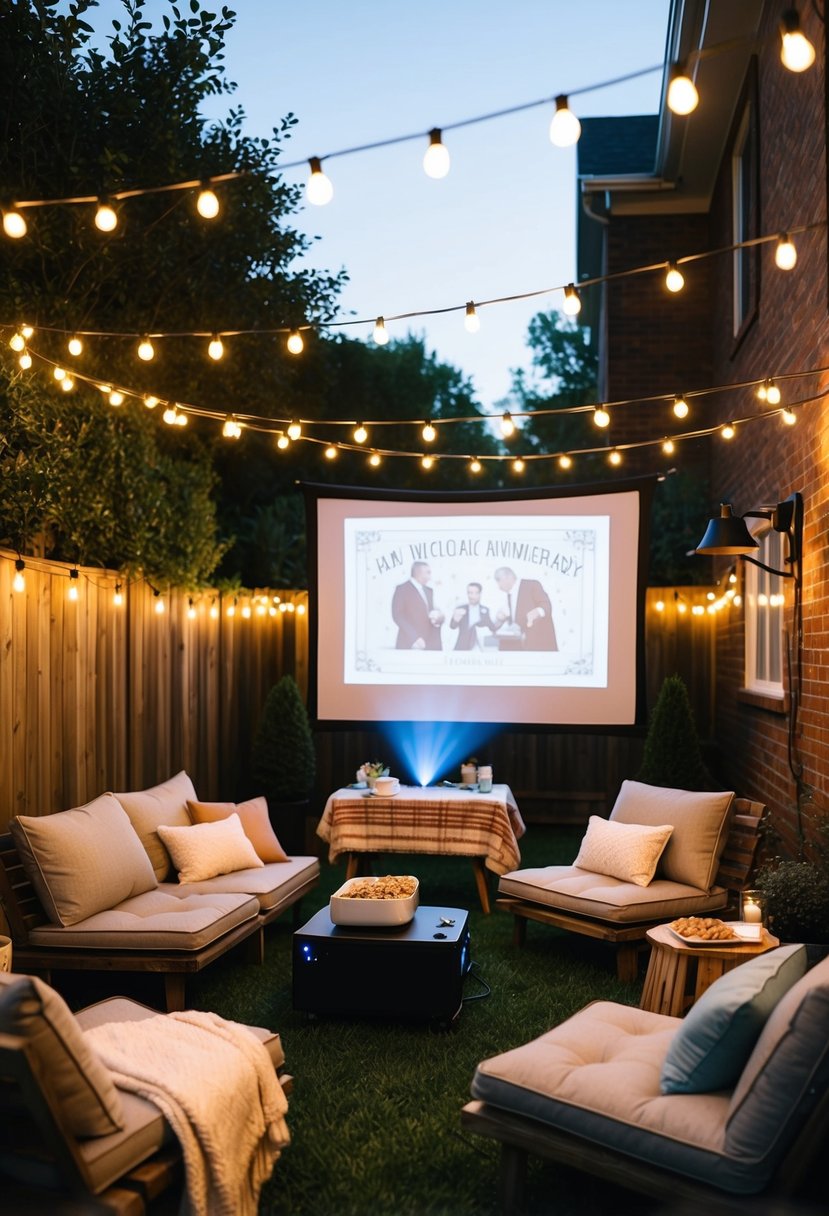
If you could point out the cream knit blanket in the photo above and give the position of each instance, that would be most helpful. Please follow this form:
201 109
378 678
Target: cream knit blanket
215 1084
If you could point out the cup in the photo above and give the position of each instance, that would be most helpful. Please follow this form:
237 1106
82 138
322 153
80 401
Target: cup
753 907
469 774
5 953
386 786
485 778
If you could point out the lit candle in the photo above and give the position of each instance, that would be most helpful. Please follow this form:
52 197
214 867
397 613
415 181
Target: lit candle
752 914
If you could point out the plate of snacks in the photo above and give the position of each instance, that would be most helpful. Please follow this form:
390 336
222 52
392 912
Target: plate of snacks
704 931
390 900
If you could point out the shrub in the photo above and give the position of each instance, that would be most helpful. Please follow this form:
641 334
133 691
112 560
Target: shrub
283 760
672 754
798 900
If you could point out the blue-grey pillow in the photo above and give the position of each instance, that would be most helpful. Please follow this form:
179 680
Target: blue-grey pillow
714 1042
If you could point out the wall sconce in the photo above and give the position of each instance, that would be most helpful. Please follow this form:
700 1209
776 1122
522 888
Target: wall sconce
727 534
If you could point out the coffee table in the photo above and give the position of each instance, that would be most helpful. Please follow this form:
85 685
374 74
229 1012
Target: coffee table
678 974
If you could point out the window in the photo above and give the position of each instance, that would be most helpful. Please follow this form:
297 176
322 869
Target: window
744 219
764 601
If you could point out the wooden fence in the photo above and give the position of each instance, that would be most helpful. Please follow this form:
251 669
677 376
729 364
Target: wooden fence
96 695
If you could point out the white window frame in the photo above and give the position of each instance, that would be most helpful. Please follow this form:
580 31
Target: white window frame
742 306
765 650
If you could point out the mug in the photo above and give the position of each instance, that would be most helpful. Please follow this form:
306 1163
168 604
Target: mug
485 778
5 953
385 786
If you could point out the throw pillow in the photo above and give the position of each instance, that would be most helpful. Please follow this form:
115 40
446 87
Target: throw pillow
90 1103
204 850
253 815
626 851
718 1034
165 803
700 822
82 861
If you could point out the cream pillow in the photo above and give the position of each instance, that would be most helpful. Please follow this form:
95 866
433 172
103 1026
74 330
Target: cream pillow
204 850
253 816
626 851
165 803
82 861
700 822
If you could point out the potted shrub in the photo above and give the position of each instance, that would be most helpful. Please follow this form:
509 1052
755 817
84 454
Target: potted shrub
283 762
672 755
797 900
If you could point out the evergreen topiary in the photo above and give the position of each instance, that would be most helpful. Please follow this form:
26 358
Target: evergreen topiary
672 752
283 761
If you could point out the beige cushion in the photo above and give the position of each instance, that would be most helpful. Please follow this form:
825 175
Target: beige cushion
204 850
274 884
34 1011
82 861
569 889
253 816
627 851
165 803
700 822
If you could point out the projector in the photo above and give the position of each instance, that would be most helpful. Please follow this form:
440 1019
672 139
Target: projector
412 972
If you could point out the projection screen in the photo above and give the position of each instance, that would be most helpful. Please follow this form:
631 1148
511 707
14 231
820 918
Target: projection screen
519 609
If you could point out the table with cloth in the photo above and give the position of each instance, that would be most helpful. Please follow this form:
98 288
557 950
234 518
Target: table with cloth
439 820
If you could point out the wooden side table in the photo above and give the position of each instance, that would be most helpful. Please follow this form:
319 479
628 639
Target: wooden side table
678 975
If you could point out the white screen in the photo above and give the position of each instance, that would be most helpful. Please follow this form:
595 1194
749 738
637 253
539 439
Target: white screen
513 610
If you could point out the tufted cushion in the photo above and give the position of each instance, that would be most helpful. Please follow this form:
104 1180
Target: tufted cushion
720 1030
626 851
82 861
700 822
253 816
165 803
204 850
573 890
31 1009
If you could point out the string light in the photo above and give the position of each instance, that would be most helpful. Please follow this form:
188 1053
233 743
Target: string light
615 457
331 452
318 189
27 332
601 418
471 322
428 433
150 401
246 612
565 461
300 610
788 416
381 335
116 397
683 97
375 460
169 415
146 350
17 342
796 51
106 219
674 278
58 373
74 346
67 384
773 394
282 442
507 425
660 605
207 204
25 360
294 429
668 447
436 157
295 342
215 348
214 611
427 462
191 609
117 596
231 608
181 419
785 253
14 225
518 465
565 128
72 593
360 433
728 431
19 581
158 607
475 465
231 428
572 301
680 407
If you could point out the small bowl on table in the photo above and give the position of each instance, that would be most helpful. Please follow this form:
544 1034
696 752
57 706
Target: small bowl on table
382 912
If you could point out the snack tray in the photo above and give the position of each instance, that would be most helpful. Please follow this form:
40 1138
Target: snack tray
368 912
717 943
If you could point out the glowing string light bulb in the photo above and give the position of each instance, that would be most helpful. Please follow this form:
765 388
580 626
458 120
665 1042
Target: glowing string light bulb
207 204
27 332
145 350
106 219
615 457
191 610
150 401
572 301
728 431
246 612
674 278
427 462
475 465
796 51
295 343
788 416
507 425
436 157
72 593
215 348
25 361
471 322
14 225
214 611
565 128
19 582
158 606
294 429
680 407
785 253
231 428
116 397
601 417
318 189
683 97
282 442
74 346
360 433
17 342
117 596
565 461
181 419
67 383
58 373
331 452
518 465
773 394
668 447
381 334
375 460
429 434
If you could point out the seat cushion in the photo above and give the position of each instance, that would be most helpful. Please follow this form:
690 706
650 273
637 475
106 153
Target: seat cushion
165 803
84 860
31 1009
273 884
597 1076
203 850
719 1032
628 851
156 920
570 889
253 816
700 822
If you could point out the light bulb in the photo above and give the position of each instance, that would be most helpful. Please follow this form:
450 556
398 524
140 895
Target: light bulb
25 361
19 582
436 157
360 433
572 301
116 397
475 465
471 322
381 334
181 419
318 189
615 457
231 428
67 384
294 429
215 347
565 128
728 431
14 225
146 350
428 433
150 401
246 611
680 407
331 452
772 393
565 461
785 253
374 460
796 51
207 204
214 611
301 610
169 415
283 607
683 97
427 461
518 465
231 609
762 391
601 417
27 332
668 447
58 373
104 388
507 425
158 607
117 597
17 342
191 610
105 218
282 442
72 593
789 417
295 343
660 605
682 607
674 278
74 346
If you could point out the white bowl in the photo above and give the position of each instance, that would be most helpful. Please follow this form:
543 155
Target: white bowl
389 912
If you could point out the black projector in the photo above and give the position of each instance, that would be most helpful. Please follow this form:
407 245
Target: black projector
409 971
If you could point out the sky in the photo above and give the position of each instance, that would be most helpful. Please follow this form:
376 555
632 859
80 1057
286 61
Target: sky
503 221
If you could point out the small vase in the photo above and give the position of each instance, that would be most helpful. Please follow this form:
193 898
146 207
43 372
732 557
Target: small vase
469 774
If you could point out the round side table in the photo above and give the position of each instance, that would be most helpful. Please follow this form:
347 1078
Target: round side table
679 974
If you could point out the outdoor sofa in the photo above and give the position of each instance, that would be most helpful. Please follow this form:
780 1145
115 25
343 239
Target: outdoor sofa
95 888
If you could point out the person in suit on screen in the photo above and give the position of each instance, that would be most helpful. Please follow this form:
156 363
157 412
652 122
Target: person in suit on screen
527 606
414 613
470 618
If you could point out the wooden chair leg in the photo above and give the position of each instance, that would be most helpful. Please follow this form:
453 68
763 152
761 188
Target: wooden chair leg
519 930
174 991
481 882
512 1179
627 962
255 948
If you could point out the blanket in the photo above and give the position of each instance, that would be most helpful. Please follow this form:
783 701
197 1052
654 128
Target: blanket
215 1084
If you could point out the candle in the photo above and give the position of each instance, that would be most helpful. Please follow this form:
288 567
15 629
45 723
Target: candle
752 914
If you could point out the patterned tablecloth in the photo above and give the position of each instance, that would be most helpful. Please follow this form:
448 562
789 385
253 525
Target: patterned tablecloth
431 819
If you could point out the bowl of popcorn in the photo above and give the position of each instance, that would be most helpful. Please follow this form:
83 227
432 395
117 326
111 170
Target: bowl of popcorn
387 901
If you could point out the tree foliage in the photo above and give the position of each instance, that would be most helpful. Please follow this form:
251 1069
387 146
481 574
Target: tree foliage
283 760
672 755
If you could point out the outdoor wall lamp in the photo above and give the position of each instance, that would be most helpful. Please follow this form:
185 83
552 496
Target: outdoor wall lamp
727 534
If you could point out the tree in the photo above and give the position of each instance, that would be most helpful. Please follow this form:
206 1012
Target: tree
672 755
